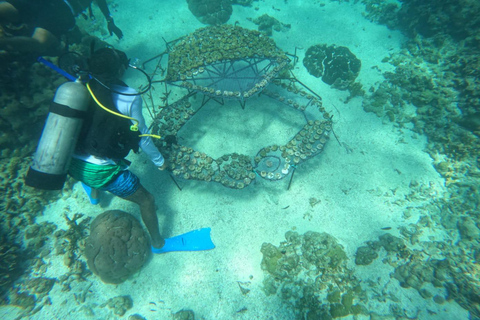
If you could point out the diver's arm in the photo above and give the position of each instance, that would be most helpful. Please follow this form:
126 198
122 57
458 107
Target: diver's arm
42 42
132 107
102 5
112 27
146 143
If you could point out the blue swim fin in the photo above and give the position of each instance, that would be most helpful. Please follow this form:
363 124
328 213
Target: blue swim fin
88 191
196 240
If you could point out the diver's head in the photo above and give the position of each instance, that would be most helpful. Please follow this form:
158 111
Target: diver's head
108 64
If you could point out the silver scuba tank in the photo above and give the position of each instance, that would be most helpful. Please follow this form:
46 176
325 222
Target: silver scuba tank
59 137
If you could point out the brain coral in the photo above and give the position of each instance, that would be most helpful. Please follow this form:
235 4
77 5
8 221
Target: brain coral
117 246
336 65
213 12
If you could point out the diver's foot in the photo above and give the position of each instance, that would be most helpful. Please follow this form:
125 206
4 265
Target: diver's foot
157 245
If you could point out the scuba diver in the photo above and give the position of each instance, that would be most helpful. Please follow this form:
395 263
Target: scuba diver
88 133
37 26
106 139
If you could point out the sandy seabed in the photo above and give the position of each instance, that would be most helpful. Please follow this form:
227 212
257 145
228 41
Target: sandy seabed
355 180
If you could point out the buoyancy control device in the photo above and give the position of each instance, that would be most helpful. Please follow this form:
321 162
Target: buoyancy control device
59 137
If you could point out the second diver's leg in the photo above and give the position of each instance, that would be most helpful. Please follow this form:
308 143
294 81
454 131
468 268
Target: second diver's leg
146 201
8 13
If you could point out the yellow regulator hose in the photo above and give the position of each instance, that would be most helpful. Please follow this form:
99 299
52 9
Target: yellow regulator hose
133 127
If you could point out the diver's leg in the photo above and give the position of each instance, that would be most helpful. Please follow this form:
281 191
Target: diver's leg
146 201
94 193
8 13
45 43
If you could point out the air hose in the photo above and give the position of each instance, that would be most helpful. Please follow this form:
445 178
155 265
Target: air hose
57 69
133 127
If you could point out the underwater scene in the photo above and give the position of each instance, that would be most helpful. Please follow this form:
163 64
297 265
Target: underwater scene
310 160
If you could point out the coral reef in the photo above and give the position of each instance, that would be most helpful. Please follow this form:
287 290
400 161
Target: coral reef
212 12
435 86
26 90
336 65
310 272
245 3
456 18
31 294
71 244
117 246
36 235
413 270
365 255
184 315
268 24
20 204
119 304
382 12
11 258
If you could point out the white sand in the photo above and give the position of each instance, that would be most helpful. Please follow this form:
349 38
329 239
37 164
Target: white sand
352 181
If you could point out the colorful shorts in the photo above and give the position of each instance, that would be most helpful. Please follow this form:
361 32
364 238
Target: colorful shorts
124 185
112 178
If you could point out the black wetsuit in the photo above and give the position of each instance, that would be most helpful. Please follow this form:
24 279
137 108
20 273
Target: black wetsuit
52 15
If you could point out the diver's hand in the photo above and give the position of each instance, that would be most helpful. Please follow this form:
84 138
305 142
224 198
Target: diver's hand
112 28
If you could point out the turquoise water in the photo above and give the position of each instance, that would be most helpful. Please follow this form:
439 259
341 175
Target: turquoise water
346 187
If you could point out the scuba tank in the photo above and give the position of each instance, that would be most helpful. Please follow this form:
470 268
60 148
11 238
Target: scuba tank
65 119
59 137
